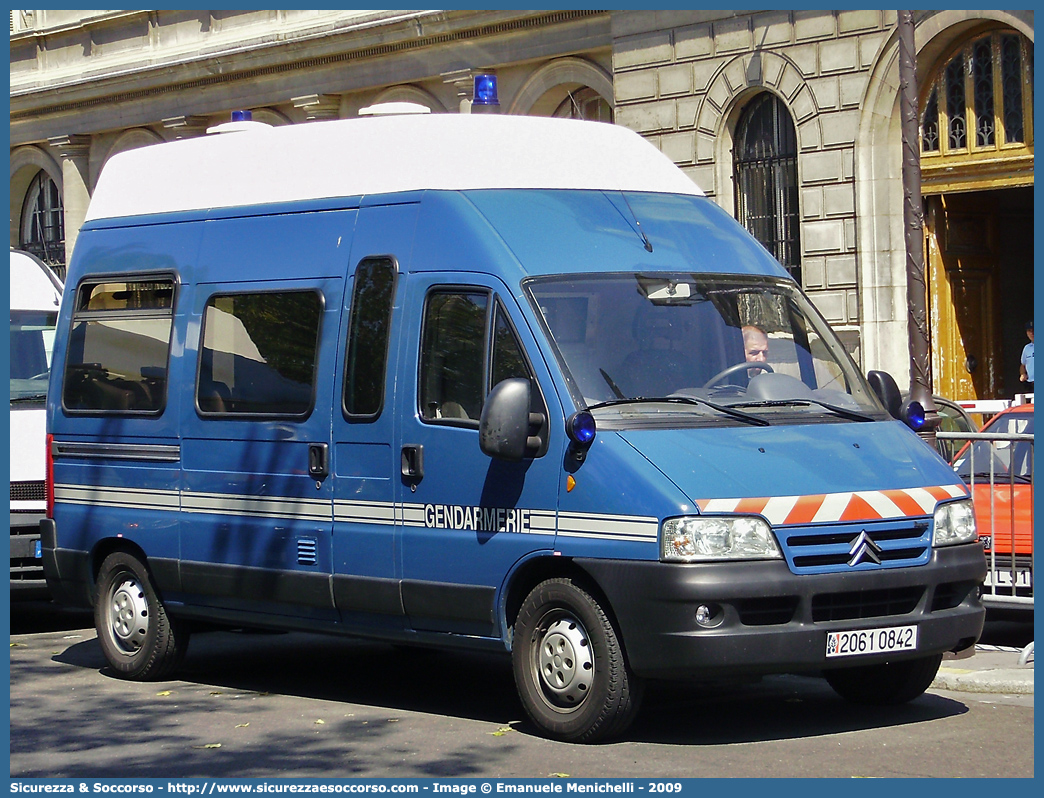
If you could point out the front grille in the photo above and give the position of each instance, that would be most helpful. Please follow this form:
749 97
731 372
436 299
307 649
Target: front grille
31 491
865 604
816 550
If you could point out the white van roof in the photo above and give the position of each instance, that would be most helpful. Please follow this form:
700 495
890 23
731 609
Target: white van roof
381 155
33 285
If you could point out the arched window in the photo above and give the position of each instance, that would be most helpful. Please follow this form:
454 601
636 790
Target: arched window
585 103
978 107
765 164
42 229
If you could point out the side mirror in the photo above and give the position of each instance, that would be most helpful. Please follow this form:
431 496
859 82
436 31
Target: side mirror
887 391
505 422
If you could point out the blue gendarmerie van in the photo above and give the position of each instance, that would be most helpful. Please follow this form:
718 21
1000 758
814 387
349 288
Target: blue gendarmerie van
503 383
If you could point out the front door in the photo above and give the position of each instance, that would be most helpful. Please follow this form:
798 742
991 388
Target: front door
980 287
467 519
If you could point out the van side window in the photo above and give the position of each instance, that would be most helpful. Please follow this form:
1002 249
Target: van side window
463 356
508 360
368 335
452 368
118 346
258 354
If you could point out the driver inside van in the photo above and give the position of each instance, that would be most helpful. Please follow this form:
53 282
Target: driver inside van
755 347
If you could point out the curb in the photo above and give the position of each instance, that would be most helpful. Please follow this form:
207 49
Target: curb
1018 681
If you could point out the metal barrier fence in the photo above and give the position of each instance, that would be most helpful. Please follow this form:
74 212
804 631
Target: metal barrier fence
998 469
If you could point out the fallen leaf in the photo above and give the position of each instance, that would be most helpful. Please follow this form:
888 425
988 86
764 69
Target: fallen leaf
19 645
165 692
320 722
242 725
216 692
558 775
501 731
208 745
393 720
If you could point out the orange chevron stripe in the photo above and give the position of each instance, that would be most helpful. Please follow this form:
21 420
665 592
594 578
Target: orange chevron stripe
805 509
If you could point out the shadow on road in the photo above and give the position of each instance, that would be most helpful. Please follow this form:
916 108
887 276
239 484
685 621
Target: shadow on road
480 687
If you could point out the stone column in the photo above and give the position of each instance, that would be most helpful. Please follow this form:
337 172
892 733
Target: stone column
319 106
73 152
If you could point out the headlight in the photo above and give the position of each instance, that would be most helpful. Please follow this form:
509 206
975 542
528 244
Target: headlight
954 523
726 538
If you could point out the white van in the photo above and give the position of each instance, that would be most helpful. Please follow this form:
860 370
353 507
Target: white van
35 296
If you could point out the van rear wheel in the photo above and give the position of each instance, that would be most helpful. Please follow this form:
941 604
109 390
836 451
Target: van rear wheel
139 640
569 665
886 684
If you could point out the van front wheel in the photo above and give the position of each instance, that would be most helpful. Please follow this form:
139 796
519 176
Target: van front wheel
569 665
138 638
886 684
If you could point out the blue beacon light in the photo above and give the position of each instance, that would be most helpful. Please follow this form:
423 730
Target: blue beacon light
912 412
485 90
581 428
242 116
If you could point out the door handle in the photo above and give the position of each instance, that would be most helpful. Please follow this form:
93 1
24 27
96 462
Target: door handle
318 461
413 463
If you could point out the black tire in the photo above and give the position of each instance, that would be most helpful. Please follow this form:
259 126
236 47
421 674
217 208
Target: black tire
886 684
569 665
139 640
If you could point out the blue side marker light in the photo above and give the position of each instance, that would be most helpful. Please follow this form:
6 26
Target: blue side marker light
581 428
485 90
242 116
912 413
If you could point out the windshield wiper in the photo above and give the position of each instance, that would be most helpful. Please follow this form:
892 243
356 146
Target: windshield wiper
33 397
685 400
852 415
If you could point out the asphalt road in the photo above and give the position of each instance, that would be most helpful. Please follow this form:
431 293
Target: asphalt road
292 705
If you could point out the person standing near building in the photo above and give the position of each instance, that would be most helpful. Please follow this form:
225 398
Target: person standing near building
1026 362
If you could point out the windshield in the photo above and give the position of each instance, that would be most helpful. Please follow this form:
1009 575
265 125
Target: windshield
32 339
1004 460
749 344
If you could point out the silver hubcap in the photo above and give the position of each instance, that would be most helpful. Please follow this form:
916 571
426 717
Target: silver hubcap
565 663
129 615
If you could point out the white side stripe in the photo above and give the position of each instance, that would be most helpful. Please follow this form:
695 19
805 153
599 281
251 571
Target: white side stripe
595 526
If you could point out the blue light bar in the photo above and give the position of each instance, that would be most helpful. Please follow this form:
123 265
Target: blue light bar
485 90
242 116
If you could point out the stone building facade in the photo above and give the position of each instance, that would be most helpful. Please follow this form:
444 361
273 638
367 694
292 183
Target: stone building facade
789 119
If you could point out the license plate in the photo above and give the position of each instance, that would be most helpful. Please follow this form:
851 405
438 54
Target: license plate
871 641
1023 578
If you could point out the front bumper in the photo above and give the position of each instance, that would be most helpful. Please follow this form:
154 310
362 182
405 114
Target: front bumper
766 619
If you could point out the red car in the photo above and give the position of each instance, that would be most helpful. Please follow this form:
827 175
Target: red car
1003 512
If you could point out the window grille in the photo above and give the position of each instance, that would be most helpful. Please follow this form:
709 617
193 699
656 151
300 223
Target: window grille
765 164
42 230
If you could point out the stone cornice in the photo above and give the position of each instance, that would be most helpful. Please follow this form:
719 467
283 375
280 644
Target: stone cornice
252 59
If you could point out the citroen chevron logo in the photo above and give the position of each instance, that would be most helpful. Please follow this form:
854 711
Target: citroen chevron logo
864 549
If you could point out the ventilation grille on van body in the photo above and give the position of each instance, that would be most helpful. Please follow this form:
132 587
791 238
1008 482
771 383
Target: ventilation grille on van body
31 491
307 551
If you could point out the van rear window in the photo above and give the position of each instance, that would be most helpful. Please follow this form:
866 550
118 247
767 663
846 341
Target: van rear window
119 345
258 354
